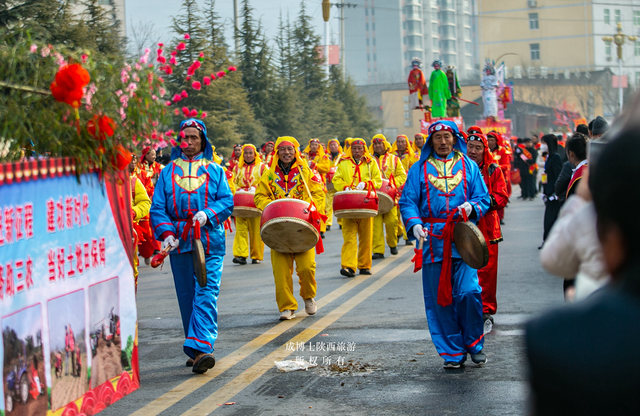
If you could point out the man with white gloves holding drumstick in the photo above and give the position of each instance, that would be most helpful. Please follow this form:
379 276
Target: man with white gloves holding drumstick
289 176
442 187
357 171
246 176
193 190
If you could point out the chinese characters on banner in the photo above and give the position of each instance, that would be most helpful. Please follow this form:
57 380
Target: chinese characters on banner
501 126
67 303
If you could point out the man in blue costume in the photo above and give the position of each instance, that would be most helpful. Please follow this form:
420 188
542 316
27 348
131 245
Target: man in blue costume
193 189
443 187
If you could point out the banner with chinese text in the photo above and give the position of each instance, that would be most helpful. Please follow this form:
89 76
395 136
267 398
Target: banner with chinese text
67 300
501 126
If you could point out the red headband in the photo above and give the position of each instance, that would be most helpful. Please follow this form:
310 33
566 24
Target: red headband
439 127
285 143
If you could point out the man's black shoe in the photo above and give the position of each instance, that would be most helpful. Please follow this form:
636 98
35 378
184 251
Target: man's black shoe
322 235
254 261
408 243
480 358
365 272
377 256
347 272
328 228
501 222
486 316
239 260
394 250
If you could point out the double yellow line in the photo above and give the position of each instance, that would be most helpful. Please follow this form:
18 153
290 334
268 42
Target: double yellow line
236 385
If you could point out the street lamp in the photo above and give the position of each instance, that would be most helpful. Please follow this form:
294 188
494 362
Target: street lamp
619 39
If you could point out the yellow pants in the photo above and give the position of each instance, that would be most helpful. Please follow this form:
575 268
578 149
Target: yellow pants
282 264
328 206
323 207
390 222
136 262
358 240
248 229
401 231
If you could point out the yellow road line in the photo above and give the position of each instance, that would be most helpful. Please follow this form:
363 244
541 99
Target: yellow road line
235 386
187 387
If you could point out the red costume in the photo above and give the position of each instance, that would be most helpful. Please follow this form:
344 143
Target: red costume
147 244
502 156
418 83
489 224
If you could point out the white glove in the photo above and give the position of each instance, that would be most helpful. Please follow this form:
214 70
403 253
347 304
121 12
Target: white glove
346 188
170 241
361 186
252 189
418 232
201 217
466 207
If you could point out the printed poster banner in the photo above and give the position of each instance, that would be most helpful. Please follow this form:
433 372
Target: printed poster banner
424 124
501 126
67 301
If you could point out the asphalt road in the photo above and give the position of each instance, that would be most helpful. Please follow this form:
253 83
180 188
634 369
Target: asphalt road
373 327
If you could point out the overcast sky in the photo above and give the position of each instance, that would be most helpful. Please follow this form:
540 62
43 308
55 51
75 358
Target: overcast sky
160 12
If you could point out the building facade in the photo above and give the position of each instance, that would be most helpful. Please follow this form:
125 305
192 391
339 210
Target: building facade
118 6
383 36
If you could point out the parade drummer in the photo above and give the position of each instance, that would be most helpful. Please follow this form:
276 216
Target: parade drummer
391 168
320 162
147 171
235 157
357 171
502 156
268 152
335 154
246 177
140 205
478 150
289 176
442 184
149 165
192 189
402 148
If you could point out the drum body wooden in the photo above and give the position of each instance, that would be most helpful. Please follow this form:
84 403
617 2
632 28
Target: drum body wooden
354 204
244 205
386 197
286 226
330 175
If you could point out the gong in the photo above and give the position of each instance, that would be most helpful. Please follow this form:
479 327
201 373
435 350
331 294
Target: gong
199 265
471 244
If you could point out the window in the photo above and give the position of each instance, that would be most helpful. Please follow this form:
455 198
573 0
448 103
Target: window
637 48
533 21
637 79
607 50
374 41
618 17
373 27
436 43
467 20
465 5
467 33
468 48
368 57
367 26
373 11
407 115
408 123
367 41
434 27
607 17
366 11
535 51
636 18
375 56
405 99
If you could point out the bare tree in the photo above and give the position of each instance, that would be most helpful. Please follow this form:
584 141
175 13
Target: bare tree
143 35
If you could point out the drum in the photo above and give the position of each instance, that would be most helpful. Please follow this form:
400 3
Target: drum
330 174
286 226
386 197
355 204
471 244
244 205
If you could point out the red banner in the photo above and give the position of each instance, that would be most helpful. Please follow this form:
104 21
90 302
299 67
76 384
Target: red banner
503 127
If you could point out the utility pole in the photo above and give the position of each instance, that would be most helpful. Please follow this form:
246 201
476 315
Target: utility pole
619 39
341 6
236 23
326 11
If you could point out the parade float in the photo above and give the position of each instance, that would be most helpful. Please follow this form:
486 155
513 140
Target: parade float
70 122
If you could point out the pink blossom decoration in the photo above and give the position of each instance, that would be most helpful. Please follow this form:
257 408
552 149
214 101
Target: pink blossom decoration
182 134
184 145
176 111
196 85
173 142
172 60
206 80
84 58
34 48
221 74
203 115
181 46
169 133
186 36
168 103
232 68
185 111
194 113
174 53
184 94
45 51
160 44
177 98
162 59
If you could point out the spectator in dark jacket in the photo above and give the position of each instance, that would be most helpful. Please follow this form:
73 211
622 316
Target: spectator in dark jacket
552 169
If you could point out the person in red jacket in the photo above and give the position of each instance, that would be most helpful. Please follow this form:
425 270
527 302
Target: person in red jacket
502 157
478 151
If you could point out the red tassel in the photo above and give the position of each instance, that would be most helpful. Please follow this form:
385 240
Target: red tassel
417 258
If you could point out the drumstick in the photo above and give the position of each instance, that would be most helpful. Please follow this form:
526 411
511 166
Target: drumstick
158 259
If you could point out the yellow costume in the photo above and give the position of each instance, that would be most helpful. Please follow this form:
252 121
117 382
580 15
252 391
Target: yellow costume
418 150
247 176
408 158
273 185
141 205
321 163
348 175
392 169
331 192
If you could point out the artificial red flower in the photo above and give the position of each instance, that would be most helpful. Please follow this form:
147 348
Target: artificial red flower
196 85
204 114
194 113
181 46
105 125
206 80
184 94
186 36
232 68
68 84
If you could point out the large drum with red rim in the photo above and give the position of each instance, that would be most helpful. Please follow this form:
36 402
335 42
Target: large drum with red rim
330 174
244 205
355 204
286 226
386 197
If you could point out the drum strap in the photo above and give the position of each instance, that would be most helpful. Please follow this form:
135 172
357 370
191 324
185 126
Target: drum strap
316 217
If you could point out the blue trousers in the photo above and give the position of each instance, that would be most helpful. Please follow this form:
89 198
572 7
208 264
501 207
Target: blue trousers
198 305
456 329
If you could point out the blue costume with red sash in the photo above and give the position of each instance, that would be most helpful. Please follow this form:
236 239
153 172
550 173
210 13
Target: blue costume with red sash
435 187
186 186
